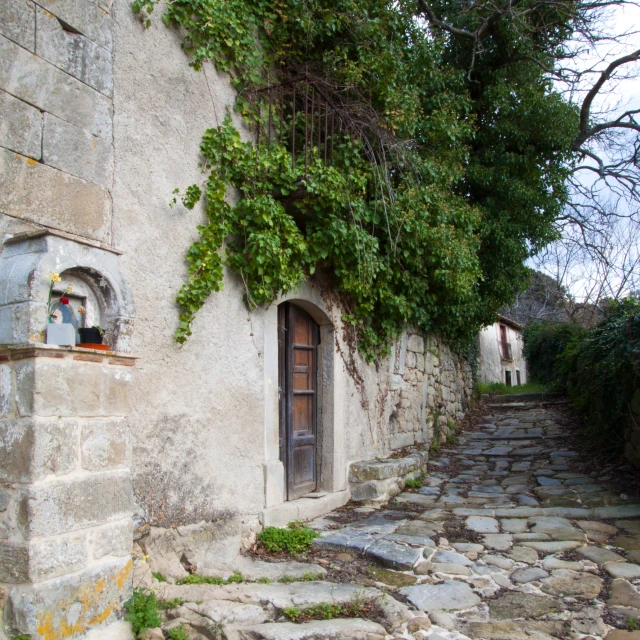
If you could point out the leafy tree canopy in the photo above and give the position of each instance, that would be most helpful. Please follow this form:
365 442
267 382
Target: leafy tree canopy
448 172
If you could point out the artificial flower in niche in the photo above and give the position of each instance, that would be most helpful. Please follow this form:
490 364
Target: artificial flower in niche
64 300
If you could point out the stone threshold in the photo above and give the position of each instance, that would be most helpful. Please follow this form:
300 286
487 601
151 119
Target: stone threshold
40 350
303 509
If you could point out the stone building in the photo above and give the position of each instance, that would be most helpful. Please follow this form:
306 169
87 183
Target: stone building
501 356
181 447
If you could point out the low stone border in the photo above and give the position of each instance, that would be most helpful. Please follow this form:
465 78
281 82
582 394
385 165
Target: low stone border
380 480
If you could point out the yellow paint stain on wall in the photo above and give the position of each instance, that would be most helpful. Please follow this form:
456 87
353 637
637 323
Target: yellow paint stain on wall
67 630
47 627
100 618
56 626
123 574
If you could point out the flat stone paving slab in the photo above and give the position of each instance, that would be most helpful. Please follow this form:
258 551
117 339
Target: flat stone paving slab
523 605
393 555
316 630
451 595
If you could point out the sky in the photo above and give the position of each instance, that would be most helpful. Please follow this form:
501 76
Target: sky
582 276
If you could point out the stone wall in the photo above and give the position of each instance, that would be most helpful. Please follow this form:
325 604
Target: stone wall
430 389
65 489
56 86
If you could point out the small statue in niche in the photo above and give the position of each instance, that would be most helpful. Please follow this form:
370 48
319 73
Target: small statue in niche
62 321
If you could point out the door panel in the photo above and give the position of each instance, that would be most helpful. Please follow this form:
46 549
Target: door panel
298 398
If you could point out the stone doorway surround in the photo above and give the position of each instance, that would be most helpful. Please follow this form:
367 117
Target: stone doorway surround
66 498
332 487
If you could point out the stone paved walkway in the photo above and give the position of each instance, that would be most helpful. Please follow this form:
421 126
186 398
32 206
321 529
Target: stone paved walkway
506 540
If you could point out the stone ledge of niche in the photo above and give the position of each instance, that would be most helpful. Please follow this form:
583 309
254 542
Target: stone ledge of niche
39 350
303 509
48 231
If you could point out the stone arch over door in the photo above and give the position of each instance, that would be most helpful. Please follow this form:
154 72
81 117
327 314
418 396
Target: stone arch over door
330 458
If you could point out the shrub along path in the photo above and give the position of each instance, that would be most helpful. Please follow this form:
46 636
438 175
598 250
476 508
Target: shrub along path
506 540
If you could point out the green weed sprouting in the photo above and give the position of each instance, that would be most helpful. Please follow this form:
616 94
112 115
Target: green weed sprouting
413 483
142 610
178 633
170 604
295 538
357 607
196 578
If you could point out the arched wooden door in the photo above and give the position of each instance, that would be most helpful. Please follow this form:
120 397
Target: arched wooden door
298 337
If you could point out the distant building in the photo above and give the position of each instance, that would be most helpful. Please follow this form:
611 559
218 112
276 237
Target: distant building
501 357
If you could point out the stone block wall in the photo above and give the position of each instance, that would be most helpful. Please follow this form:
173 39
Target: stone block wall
56 111
66 498
375 481
430 388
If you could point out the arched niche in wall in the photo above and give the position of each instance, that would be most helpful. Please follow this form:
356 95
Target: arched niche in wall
98 286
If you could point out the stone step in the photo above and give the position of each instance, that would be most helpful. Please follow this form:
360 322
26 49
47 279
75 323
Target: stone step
484 436
338 629
525 398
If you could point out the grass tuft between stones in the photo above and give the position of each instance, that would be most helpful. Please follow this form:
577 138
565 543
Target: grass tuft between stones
295 538
179 633
356 608
413 483
196 578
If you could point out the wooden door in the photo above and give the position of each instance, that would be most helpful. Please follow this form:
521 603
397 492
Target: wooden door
298 372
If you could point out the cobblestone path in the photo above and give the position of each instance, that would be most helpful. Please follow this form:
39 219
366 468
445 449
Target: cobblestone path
506 540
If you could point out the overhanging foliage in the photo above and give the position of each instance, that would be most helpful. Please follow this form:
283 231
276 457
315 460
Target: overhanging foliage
425 216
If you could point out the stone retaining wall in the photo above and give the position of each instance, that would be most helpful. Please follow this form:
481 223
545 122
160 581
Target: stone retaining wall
381 480
430 390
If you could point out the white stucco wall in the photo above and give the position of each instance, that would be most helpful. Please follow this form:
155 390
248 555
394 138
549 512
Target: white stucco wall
204 419
492 366
197 410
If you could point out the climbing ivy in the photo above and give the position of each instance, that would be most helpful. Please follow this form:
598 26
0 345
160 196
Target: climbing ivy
405 234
